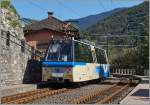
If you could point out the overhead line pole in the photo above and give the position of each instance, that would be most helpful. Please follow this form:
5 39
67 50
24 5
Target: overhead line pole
99 1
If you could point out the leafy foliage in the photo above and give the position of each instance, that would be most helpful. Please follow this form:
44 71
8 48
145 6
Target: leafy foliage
7 5
131 21
15 23
127 21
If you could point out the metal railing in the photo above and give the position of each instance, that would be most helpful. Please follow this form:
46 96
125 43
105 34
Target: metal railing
127 71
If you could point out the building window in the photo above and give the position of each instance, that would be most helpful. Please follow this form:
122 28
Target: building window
23 45
8 38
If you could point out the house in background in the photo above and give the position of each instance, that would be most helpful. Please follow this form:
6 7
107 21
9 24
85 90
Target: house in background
39 33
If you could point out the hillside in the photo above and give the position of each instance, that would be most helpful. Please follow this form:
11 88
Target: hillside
86 22
132 21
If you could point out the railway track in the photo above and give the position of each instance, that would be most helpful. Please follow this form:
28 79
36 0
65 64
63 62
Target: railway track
22 98
117 92
103 93
105 96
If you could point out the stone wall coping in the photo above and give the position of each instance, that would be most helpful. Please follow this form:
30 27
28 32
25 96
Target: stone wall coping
17 86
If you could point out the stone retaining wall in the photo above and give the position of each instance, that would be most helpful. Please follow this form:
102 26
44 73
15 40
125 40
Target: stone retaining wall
13 57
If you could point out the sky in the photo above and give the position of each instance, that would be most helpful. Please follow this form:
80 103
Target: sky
68 9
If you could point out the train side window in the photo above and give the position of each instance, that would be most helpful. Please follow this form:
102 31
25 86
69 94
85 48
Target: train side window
23 45
8 38
83 53
100 54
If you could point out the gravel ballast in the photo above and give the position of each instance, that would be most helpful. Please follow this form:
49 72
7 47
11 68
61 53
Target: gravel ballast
63 98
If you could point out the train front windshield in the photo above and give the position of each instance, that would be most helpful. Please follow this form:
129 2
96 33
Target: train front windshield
60 50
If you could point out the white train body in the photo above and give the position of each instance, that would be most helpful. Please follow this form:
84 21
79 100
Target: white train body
77 70
78 73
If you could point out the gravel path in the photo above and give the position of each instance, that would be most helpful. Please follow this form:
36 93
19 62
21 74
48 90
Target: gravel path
62 98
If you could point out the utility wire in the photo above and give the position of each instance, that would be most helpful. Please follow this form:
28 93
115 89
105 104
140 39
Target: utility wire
38 6
111 3
68 8
99 1
101 5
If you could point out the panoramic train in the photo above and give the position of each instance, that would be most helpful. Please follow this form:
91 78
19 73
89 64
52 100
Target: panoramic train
74 61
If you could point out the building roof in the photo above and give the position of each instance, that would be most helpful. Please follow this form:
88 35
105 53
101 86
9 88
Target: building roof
50 23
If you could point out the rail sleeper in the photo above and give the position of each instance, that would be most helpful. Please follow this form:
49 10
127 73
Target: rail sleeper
109 98
21 95
83 99
36 96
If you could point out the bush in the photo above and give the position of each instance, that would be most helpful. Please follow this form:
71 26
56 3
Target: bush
15 23
7 5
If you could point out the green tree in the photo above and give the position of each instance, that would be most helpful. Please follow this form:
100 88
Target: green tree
7 5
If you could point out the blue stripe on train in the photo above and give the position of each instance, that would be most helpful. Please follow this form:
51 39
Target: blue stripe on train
61 64
98 69
101 72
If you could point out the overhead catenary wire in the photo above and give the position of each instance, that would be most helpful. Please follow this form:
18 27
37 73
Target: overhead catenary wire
107 35
36 5
102 35
101 5
99 1
68 8
112 4
41 8
88 44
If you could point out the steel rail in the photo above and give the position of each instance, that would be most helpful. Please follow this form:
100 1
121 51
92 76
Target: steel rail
111 97
31 97
22 95
84 99
101 96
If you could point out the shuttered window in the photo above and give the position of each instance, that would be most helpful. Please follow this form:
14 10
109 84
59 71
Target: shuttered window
23 45
8 38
